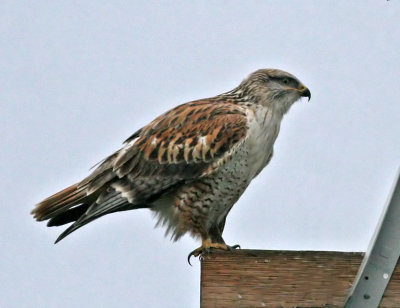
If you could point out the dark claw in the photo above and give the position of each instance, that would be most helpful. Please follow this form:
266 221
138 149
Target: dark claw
203 251
189 256
232 248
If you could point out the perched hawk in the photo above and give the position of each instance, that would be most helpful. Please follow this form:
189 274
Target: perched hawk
189 166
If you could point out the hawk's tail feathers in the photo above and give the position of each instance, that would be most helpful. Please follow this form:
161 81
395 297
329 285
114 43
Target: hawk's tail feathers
59 202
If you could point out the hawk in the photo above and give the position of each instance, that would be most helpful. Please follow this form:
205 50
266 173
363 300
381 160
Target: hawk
189 166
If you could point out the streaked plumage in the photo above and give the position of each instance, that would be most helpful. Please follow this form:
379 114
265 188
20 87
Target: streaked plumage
189 165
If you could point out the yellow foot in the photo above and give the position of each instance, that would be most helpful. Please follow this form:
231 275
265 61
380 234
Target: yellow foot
206 247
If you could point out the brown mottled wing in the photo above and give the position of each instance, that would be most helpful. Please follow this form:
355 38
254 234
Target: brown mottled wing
190 141
187 142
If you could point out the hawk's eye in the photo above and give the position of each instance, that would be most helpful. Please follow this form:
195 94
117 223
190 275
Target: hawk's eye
285 80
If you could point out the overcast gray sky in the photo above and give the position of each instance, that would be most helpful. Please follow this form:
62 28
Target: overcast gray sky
78 77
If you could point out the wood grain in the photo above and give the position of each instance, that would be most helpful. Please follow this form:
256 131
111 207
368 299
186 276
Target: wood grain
265 278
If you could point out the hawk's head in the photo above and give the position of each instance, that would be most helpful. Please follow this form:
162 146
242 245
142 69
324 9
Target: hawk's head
273 88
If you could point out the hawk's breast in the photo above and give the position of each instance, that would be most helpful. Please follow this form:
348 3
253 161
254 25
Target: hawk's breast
264 124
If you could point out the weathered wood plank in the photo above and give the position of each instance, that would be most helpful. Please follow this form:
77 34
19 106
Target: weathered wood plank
264 278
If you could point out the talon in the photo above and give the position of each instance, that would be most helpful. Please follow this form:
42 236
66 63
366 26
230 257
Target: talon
195 253
188 258
207 247
232 248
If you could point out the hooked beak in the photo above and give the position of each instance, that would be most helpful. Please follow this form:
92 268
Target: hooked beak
306 93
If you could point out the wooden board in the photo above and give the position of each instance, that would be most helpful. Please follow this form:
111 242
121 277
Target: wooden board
265 278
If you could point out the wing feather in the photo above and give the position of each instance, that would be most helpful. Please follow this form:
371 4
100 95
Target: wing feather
185 143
